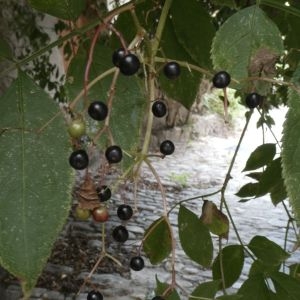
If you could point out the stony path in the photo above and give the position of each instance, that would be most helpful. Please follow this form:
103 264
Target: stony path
198 167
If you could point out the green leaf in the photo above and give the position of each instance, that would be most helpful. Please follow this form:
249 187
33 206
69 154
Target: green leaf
295 271
254 288
5 51
267 251
287 285
260 157
217 221
35 196
194 237
206 290
233 262
230 297
258 267
291 147
183 89
248 190
229 3
251 51
128 105
197 42
254 175
158 241
161 287
66 10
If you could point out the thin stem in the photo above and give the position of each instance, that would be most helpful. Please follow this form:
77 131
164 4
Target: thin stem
221 266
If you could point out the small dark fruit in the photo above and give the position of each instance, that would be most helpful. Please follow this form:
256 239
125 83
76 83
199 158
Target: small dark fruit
124 212
76 128
129 64
159 109
117 56
82 214
167 147
172 70
100 214
221 79
98 110
94 295
120 234
113 154
104 193
79 159
158 298
137 263
253 100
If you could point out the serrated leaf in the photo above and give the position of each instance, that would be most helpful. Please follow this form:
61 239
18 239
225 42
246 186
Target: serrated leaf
267 251
287 285
233 262
158 241
128 104
248 190
216 220
291 147
183 89
251 51
161 287
255 288
194 237
197 42
35 173
261 156
66 10
205 290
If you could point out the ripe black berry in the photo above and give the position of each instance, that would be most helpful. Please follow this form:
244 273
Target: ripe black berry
98 110
253 100
113 154
120 234
104 193
137 263
79 159
124 212
167 147
117 56
221 79
94 295
172 70
159 109
129 64
158 298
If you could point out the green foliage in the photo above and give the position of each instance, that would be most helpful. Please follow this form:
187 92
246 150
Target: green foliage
157 241
36 178
194 237
161 288
206 290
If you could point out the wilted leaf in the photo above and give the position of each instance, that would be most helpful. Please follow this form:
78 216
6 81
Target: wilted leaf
206 290
261 156
194 237
233 262
267 251
157 241
291 147
35 195
66 10
216 220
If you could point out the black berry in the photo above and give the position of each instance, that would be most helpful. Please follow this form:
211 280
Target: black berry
221 79
120 234
253 100
124 212
129 64
172 70
98 110
117 56
137 263
104 193
94 295
167 147
158 298
113 154
79 159
159 109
